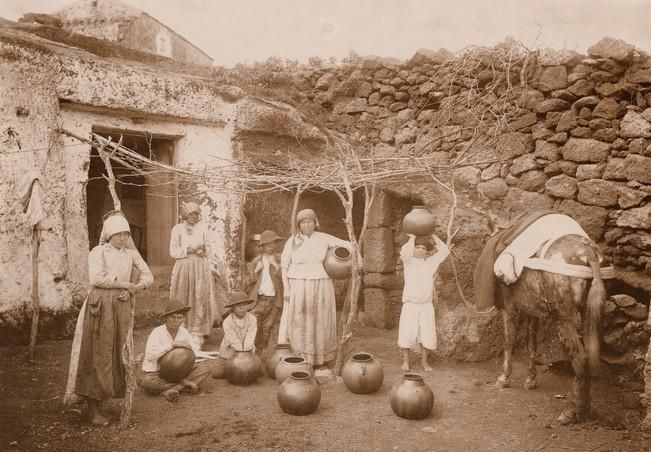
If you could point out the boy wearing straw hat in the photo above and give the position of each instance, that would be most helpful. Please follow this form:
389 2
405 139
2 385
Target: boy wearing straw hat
240 328
161 340
265 277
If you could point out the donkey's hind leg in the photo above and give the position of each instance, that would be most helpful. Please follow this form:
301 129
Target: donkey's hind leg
510 319
578 409
532 343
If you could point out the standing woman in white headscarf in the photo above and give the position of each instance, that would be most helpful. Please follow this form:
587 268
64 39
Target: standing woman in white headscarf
192 276
99 372
309 319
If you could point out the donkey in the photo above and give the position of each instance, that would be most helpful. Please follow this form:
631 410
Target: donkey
574 303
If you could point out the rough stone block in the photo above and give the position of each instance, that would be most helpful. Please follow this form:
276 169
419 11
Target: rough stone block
561 186
598 192
639 218
511 145
380 214
520 200
382 280
524 163
552 78
547 151
493 189
616 49
379 251
589 171
585 150
377 308
633 125
608 109
532 180
591 218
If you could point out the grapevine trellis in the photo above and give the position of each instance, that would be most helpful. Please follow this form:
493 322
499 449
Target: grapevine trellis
479 84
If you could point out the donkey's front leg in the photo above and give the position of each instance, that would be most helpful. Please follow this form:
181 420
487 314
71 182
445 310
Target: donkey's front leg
532 345
510 322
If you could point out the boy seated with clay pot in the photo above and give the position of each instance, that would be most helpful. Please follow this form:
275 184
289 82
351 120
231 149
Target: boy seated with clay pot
163 339
240 328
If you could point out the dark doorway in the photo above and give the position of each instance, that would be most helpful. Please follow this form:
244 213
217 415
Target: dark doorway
148 201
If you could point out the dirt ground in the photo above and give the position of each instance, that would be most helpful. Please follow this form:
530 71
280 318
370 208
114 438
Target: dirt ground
469 413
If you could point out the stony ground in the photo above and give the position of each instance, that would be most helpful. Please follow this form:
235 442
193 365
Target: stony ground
469 413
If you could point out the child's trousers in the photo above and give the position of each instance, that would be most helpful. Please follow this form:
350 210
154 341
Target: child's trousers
266 313
154 384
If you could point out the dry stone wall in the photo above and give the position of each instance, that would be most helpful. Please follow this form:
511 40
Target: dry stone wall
573 134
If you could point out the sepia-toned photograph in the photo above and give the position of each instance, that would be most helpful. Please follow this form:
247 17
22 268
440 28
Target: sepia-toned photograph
325 225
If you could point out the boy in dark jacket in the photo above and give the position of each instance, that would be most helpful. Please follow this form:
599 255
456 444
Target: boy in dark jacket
265 286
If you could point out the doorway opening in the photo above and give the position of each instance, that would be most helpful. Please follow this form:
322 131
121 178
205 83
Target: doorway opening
149 201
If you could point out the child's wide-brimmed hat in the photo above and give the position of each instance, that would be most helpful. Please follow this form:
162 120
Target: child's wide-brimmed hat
174 307
238 297
268 237
424 241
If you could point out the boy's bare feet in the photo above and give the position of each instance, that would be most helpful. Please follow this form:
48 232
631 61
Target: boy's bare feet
171 395
189 386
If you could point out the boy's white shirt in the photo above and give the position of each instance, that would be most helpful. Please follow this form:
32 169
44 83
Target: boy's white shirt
159 342
419 273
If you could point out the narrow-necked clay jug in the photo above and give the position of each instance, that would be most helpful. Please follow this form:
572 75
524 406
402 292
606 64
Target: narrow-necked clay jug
338 263
419 221
176 364
281 351
291 364
411 398
299 394
243 368
362 373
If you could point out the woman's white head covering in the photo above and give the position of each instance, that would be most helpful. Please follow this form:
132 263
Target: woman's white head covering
189 207
114 225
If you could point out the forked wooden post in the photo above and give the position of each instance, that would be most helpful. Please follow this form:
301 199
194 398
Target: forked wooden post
128 357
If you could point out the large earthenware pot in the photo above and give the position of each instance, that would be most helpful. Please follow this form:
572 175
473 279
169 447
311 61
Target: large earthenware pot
243 368
411 398
299 394
176 364
291 364
419 221
281 351
362 373
338 263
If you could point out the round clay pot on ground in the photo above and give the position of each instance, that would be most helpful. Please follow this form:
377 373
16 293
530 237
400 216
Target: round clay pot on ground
243 368
176 364
280 351
338 263
411 398
419 221
299 394
291 364
362 373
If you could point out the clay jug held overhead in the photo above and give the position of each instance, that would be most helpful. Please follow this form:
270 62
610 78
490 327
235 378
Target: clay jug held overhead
419 221
338 263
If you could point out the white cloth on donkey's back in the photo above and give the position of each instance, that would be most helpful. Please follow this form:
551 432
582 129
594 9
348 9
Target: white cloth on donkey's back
509 264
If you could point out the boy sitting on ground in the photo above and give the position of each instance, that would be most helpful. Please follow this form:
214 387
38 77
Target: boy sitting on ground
240 328
161 340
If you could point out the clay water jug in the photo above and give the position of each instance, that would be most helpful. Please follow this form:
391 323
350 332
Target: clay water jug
243 368
362 373
281 351
176 364
299 394
338 263
419 221
291 364
411 398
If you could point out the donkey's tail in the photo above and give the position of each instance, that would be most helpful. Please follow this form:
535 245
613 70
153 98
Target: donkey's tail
592 321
